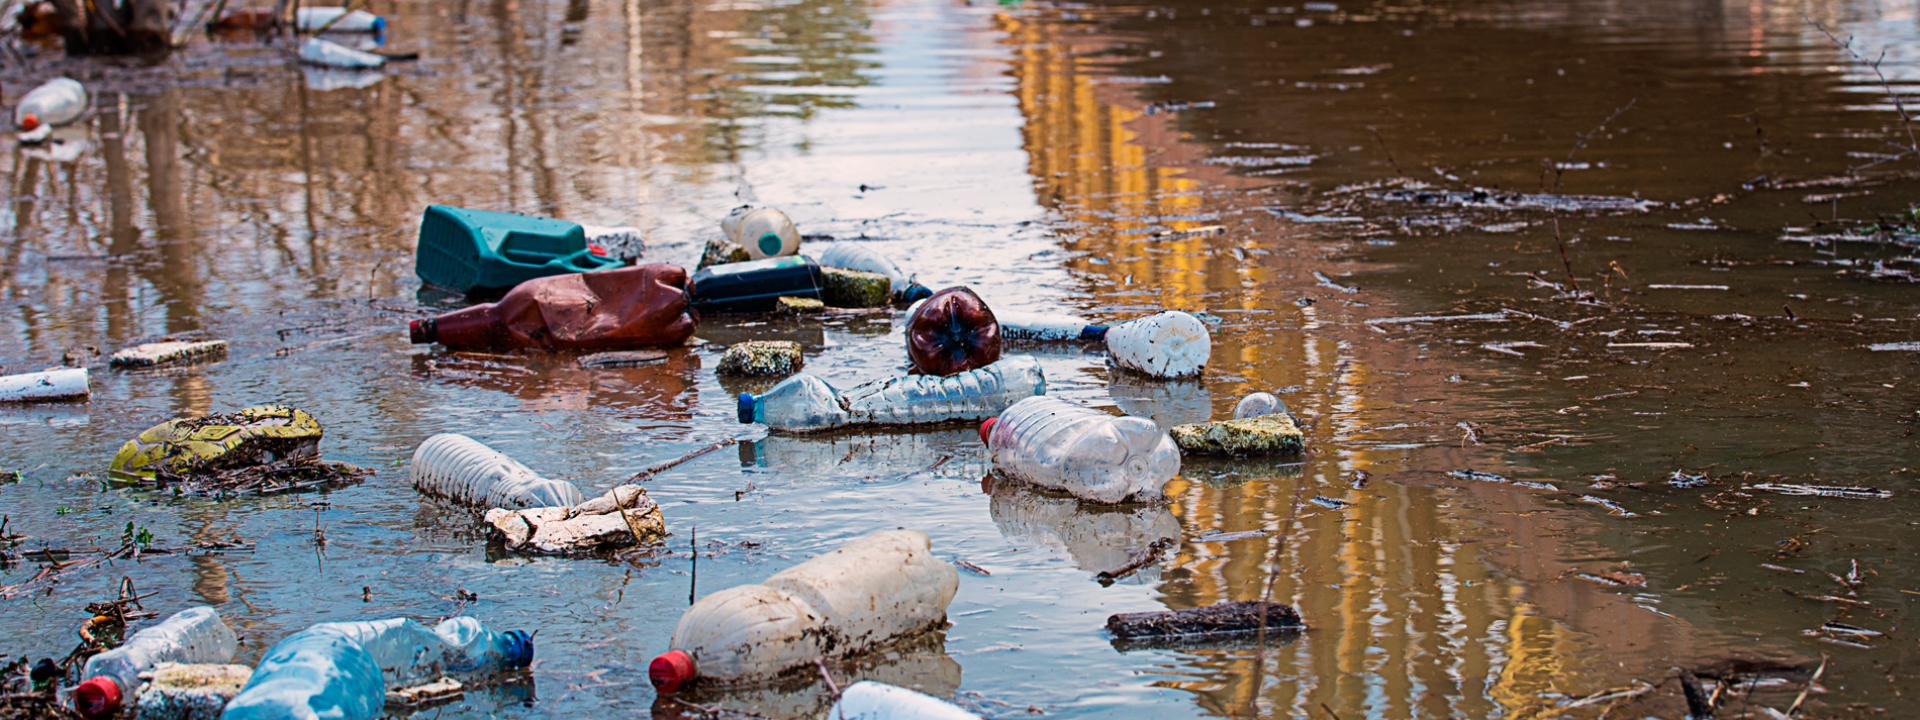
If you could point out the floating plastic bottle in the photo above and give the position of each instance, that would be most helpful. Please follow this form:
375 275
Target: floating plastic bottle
868 700
1094 456
805 403
312 19
878 588
1171 344
344 669
854 256
55 102
762 232
1016 325
1258 405
327 53
951 332
67 384
755 285
468 472
608 309
110 679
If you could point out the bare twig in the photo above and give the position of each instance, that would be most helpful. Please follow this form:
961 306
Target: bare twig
1563 255
1147 556
1560 169
648 473
1809 688
1384 149
827 676
1906 119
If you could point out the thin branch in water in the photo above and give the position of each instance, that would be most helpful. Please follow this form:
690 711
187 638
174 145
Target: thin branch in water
1563 256
1559 170
1385 149
1899 105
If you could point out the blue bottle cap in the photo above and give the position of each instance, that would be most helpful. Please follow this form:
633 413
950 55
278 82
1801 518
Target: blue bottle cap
746 408
916 292
1093 333
379 24
519 649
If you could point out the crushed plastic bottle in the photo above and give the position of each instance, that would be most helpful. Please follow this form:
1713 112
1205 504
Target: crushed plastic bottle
1258 405
866 593
468 472
312 19
805 403
1092 455
762 232
868 700
1171 344
55 102
344 669
66 384
952 332
607 309
854 256
110 679
327 53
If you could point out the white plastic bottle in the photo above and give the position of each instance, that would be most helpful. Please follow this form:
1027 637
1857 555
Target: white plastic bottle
1258 405
870 591
111 679
854 256
1171 344
312 19
1094 456
868 700
55 102
763 232
468 472
344 669
805 403
327 53
66 384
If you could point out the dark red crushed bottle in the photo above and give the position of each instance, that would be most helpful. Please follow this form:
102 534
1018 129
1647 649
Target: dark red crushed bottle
627 307
952 332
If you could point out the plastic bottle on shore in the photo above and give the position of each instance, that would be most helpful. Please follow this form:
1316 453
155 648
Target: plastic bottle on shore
344 669
311 20
65 384
607 309
952 332
868 700
1171 344
327 53
55 102
111 679
468 472
805 403
1094 456
762 232
1258 405
868 592
1016 325
854 256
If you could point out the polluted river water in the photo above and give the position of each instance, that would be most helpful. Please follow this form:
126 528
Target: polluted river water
1570 296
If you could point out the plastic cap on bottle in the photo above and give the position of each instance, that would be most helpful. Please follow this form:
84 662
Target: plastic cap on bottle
986 428
1093 333
918 292
671 670
379 24
519 649
97 698
746 408
30 122
421 331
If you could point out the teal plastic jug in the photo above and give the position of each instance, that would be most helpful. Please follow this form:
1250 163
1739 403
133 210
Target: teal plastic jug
468 250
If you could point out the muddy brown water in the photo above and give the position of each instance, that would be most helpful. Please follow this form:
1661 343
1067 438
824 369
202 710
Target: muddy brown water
1030 151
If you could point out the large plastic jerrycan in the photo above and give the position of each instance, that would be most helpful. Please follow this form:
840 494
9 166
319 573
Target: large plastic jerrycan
467 250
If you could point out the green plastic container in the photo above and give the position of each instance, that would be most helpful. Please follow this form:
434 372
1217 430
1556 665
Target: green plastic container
468 250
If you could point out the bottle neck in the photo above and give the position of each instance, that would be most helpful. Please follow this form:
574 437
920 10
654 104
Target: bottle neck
466 327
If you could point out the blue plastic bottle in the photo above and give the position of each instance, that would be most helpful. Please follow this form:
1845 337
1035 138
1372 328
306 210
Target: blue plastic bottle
344 669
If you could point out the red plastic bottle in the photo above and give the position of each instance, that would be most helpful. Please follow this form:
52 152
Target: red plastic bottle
952 332
627 307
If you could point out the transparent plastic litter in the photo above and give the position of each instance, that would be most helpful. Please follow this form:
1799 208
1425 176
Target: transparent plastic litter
1064 446
110 680
55 102
468 472
1017 325
868 700
805 403
762 232
344 669
326 53
1258 405
854 256
855 598
1171 344
64 384
312 19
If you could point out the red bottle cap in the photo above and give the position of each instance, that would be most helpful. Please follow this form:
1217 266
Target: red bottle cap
986 428
671 670
596 250
97 698
30 122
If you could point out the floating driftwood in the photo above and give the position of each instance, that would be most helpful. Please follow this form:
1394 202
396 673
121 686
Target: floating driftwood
1216 620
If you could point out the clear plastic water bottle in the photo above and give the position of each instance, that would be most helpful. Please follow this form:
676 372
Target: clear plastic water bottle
805 403
1094 456
344 669
868 700
868 592
55 102
468 472
1171 344
854 256
63 384
762 232
1016 325
1258 405
110 679
326 53
312 19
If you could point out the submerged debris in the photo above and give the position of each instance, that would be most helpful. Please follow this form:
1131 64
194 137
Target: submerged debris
1477 475
1608 504
1224 618
1265 435
761 357
170 352
1833 491
261 449
1682 480
1148 555
622 359
1330 503
720 252
844 288
798 306
1481 198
